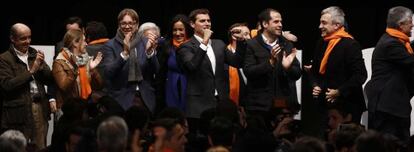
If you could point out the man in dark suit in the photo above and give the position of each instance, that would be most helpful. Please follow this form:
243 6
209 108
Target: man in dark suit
202 60
338 69
130 64
391 86
270 66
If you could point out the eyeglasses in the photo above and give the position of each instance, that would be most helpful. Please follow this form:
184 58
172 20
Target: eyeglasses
124 24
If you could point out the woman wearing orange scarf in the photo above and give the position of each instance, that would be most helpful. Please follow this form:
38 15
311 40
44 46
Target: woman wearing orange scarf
74 70
391 86
171 82
338 70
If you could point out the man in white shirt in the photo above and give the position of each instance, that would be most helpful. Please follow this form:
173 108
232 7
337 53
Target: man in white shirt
23 74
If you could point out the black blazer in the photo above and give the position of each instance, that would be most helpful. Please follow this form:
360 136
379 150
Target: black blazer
201 82
345 71
264 81
391 87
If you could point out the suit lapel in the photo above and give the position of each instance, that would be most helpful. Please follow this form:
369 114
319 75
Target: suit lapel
196 45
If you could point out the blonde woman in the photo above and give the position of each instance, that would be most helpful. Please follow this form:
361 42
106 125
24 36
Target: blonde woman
74 70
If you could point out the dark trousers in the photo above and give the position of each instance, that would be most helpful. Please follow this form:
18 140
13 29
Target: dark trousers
389 124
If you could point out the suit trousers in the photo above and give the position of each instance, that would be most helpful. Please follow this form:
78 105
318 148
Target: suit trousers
40 126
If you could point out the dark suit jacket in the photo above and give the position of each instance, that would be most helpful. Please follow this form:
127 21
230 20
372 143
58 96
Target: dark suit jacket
201 82
390 88
345 71
265 82
116 74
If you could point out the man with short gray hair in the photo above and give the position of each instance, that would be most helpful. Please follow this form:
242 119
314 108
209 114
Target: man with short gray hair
338 69
391 86
16 137
112 135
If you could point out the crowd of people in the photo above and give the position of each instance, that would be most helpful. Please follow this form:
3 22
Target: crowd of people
186 91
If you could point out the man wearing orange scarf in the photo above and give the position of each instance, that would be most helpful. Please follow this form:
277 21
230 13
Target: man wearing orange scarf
338 70
391 86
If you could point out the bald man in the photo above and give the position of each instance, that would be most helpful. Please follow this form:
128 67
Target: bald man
23 74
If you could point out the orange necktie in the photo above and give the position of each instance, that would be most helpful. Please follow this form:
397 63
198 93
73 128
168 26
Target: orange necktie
333 40
402 37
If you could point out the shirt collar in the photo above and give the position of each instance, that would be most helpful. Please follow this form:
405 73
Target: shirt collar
266 41
19 53
199 39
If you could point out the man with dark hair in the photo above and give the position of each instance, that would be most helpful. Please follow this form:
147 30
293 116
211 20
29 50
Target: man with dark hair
73 22
221 132
391 86
202 60
170 136
271 67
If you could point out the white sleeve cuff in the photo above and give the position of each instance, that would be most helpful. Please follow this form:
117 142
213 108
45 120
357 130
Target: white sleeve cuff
150 55
124 57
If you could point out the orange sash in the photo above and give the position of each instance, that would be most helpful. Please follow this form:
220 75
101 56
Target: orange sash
333 39
402 37
234 83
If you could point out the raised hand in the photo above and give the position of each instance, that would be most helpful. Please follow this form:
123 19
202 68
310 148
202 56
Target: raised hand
40 56
127 40
94 63
207 35
288 59
274 53
152 42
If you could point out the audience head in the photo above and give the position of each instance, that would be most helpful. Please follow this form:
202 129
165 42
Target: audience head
308 144
16 138
172 134
221 132
112 134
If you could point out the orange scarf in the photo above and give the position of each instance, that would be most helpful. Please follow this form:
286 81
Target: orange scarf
333 39
234 81
85 86
254 32
98 41
402 37
176 44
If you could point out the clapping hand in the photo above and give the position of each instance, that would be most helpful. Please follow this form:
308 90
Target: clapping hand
95 62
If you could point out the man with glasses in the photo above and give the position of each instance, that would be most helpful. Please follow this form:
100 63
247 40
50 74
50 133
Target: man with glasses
130 63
